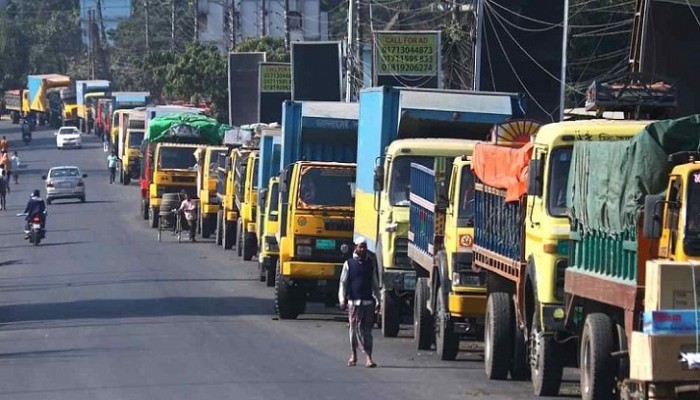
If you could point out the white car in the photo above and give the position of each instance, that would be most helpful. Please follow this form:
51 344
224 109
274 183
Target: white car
68 136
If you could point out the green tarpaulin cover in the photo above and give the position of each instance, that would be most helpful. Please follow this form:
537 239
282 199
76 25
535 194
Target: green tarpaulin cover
608 181
187 127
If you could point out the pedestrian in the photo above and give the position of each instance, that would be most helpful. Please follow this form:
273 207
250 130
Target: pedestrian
189 207
112 160
14 167
4 184
3 144
5 162
359 293
105 144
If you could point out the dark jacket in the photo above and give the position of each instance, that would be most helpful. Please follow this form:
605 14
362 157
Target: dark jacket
35 206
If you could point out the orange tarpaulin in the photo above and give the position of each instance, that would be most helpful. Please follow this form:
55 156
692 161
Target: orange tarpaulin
503 167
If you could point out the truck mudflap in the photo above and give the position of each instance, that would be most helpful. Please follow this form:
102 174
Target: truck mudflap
467 305
399 279
553 317
311 270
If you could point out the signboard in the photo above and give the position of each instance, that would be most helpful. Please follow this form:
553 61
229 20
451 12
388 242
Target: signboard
407 58
504 65
317 71
275 84
243 87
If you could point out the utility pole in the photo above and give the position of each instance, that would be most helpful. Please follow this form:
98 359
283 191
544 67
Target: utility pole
195 4
479 19
172 24
232 25
358 73
286 24
148 30
350 51
263 18
564 42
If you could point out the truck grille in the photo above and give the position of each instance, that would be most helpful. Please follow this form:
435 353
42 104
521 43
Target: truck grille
334 254
401 252
338 225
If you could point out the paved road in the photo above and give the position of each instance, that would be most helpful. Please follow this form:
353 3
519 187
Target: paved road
100 310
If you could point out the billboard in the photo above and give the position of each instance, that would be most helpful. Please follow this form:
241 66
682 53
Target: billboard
243 87
317 71
521 51
672 50
408 59
275 86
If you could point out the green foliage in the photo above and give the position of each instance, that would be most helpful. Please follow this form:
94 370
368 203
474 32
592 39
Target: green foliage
274 48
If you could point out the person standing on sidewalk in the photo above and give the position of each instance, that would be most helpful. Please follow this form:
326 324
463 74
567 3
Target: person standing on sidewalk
14 168
359 293
112 161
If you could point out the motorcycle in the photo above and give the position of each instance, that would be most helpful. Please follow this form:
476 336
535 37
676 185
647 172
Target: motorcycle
35 233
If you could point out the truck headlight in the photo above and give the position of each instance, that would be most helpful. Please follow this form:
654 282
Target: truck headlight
304 251
344 248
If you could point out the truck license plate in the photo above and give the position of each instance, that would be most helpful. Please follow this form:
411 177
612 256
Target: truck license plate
409 281
325 244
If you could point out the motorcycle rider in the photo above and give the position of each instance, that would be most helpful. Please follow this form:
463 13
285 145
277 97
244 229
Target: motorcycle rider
35 206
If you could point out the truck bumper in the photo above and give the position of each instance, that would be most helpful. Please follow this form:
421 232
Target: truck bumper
465 306
553 317
311 270
399 279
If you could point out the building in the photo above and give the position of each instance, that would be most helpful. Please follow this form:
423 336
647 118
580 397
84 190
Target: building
113 12
257 18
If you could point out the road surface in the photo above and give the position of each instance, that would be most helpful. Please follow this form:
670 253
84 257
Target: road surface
100 310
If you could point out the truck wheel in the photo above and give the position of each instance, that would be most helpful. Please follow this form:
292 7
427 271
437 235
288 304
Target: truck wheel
270 273
546 367
249 246
498 335
121 175
597 365
261 271
127 178
239 237
207 223
228 237
519 367
153 217
219 228
286 304
422 320
391 314
144 209
446 340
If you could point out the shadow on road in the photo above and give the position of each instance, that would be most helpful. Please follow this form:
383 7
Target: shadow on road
49 244
48 286
136 308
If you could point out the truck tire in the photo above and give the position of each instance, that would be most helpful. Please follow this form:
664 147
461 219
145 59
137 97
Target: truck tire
546 367
391 314
520 365
270 273
422 320
239 237
249 246
446 340
153 217
207 225
228 236
127 178
286 304
261 271
597 365
219 227
498 335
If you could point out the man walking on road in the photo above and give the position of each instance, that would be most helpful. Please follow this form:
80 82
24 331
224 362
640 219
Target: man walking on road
4 184
14 167
3 144
359 293
189 207
112 160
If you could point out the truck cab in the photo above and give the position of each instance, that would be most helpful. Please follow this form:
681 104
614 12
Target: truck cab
130 136
316 233
207 179
268 226
245 169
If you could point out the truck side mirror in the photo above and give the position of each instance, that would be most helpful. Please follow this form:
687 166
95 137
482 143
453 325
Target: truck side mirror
441 198
535 178
653 215
262 195
378 178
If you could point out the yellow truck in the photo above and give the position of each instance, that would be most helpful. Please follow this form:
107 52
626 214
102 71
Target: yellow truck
227 219
246 197
317 206
268 227
450 299
130 135
207 179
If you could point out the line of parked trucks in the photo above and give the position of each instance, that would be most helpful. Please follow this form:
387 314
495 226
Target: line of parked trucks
569 244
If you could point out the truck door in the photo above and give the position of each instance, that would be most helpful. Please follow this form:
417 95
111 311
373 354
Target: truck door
669 237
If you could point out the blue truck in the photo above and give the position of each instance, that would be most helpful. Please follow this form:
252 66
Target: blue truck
267 224
316 200
400 126
89 91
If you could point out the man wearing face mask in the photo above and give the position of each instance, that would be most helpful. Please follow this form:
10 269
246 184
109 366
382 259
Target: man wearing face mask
359 293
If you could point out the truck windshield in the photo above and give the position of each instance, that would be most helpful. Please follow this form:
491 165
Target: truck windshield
255 173
274 197
401 177
176 158
326 187
135 139
692 227
559 163
465 195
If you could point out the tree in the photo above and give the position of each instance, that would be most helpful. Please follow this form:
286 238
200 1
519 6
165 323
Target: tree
273 48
